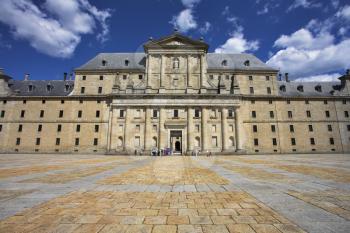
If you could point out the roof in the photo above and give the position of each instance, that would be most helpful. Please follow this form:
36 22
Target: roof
40 87
309 88
235 62
138 61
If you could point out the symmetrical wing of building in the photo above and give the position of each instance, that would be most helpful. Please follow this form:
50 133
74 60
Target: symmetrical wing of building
175 96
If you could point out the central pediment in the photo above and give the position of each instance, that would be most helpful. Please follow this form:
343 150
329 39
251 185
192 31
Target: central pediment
176 41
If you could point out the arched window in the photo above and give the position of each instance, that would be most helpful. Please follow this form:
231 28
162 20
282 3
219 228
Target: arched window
176 63
232 141
104 62
318 88
247 63
120 141
300 88
224 63
197 142
154 142
283 88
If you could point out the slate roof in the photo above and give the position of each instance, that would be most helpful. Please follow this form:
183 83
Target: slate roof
138 61
39 87
309 88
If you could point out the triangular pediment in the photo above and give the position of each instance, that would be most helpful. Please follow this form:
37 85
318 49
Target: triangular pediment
176 40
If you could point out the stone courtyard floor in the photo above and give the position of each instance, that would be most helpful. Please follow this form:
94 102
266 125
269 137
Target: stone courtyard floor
246 194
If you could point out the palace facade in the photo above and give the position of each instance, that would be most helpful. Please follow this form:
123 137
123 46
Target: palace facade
174 95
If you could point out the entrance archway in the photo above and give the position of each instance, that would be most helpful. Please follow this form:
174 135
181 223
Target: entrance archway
177 146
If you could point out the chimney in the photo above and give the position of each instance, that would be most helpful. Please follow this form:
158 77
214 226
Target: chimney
286 76
348 72
150 38
71 76
64 76
279 77
26 77
2 71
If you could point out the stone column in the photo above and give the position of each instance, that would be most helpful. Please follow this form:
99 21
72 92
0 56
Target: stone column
188 71
204 131
147 130
110 126
189 130
223 129
202 76
161 131
162 66
127 127
148 80
238 125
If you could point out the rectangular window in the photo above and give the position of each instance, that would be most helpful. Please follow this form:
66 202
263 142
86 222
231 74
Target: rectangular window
213 128
137 141
256 142
24 101
97 113
325 102
327 114
41 113
291 128
270 101
99 90
59 128
273 128
308 114
306 102
4 101
346 114
331 141
197 128
290 114
251 90
231 128
58 141
272 115
137 128
80 113
176 113
252 101
213 113
83 78
101 77
253 114
292 141
77 129
268 89
77 141
95 141
250 78
329 128
155 113
344 101
196 113
2 115
22 113
311 129
18 141
154 128
20 128
81 101
62 101
37 141
97 128
312 141
288 101
140 76
60 115
138 113
255 128
0 128
274 141
267 78
82 90
40 128
121 113
348 126
230 113
43 101
214 141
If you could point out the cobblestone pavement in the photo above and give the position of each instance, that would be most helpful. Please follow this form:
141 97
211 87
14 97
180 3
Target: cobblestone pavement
246 194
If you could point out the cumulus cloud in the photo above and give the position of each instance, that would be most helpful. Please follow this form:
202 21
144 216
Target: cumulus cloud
303 39
303 4
184 21
190 3
205 28
320 78
237 44
344 12
56 28
302 61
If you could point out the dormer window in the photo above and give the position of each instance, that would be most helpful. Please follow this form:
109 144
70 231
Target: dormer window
176 63
66 88
30 88
126 62
104 62
247 63
318 88
300 88
283 88
224 63
49 87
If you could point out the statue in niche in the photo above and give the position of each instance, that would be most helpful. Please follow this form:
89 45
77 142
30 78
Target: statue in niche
176 63
117 81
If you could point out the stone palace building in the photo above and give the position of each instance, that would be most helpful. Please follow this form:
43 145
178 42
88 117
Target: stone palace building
174 95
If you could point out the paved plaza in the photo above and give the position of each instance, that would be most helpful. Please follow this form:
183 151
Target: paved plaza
236 194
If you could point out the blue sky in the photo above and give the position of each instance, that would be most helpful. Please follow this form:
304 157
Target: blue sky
307 38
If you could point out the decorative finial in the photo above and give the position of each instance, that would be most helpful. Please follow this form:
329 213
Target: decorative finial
201 39
176 30
150 38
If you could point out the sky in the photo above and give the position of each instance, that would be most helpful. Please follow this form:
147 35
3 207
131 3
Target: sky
309 39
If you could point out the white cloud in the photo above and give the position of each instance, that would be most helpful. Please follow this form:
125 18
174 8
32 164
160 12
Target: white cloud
303 39
303 4
320 78
344 12
190 3
302 62
335 3
264 10
184 21
57 34
237 44
205 28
